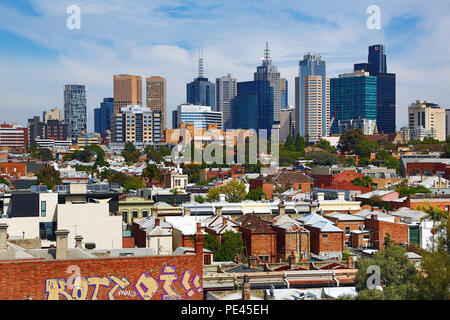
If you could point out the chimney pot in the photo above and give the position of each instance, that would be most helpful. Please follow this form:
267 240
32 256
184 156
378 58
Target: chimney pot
218 210
3 236
157 222
78 242
62 248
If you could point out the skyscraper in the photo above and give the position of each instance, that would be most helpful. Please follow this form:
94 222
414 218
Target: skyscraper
199 116
201 91
284 93
428 116
311 65
75 115
226 90
313 108
253 106
376 66
127 91
102 115
353 96
156 97
269 72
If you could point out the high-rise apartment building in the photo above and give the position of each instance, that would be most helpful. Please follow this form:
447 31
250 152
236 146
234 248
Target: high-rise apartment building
428 116
386 105
53 129
312 65
75 115
127 91
136 124
287 123
353 96
226 90
268 72
199 116
253 106
53 114
201 92
313 108
156 97
102 115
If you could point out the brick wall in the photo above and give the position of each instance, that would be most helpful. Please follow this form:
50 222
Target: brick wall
334 241
260 244
125 278
290 241
398 232
128 242
15 169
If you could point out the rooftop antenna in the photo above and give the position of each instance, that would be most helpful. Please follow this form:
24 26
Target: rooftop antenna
267 54
200 64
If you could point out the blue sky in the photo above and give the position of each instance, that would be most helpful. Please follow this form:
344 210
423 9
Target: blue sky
38 54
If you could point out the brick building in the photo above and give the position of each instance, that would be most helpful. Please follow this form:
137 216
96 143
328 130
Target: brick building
326 239
260 241
325 180
398 232
45 274
13 168
13 136
347 223
292 238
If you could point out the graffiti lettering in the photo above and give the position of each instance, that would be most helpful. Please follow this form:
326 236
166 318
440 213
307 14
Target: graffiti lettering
120 283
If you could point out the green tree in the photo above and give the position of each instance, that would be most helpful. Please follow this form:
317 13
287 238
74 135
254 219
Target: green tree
213 194
404 190
364 182
234 191
119 178
354 142
325 145
256 194
289 143
48 176
152 173
130 153
45 154
300 143
4 181
175 192
398 275
210 242
324 158
199 198
133 183
231 245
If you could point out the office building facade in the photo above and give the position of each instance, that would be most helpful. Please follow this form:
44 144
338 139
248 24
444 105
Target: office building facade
136 124
13 136
253 106
75 114
226 91
312 65
268 72
428 116
201 92
102 115
284 101
53 114
353 96
287 123
156 97
199 116
386 87
127 91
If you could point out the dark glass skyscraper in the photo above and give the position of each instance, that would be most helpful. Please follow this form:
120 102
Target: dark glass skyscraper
377 66
253 106
102 115
201 92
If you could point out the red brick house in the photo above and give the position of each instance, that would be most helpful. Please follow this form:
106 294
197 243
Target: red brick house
347 176
347 223
326 239
260 240
398 232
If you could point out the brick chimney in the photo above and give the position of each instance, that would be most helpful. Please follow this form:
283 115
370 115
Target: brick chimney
374 216
187 212
274 197
157 222
3 236
291 261
78 242
251 262
218 210
397 220
62 248
246 288
199 241
282 208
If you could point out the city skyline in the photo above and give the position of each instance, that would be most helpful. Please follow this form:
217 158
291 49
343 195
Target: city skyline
93 54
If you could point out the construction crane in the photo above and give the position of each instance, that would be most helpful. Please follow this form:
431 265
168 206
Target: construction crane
331 123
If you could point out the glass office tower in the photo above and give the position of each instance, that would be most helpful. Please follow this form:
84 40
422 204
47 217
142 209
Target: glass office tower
354 96
102 115
75 115
253 106
201 92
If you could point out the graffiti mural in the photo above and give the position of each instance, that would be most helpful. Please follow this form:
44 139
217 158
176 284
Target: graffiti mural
146 287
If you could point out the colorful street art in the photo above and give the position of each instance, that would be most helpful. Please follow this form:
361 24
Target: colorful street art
146 287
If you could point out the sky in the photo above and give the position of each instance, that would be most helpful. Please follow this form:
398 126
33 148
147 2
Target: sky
39 54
